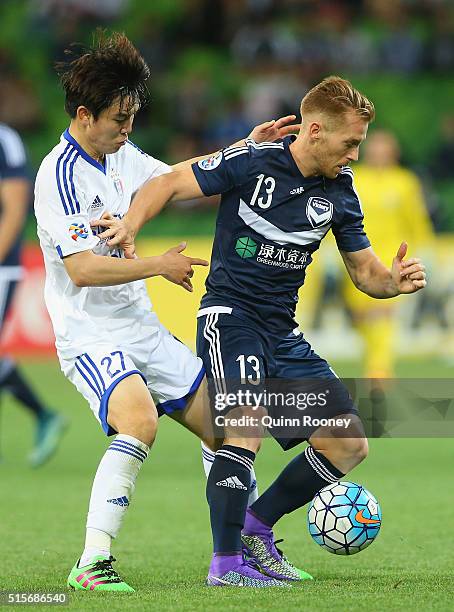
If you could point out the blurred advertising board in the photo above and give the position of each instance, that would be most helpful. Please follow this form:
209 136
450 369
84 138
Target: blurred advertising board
426 321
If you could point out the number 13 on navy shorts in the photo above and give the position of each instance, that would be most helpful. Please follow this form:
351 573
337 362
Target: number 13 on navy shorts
238 358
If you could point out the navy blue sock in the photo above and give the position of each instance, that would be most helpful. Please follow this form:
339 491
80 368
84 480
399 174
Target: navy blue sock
227 493
295 486
13 381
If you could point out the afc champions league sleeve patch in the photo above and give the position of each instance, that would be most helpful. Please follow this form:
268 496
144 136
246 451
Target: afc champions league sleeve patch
319 211
78 230
210 163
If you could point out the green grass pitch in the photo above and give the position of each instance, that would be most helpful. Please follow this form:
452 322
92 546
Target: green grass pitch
164 546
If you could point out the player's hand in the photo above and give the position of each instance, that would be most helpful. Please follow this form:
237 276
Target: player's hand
118 234
409 275
177 268
275 129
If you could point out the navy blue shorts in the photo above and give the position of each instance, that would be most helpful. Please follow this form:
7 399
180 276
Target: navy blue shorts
298 388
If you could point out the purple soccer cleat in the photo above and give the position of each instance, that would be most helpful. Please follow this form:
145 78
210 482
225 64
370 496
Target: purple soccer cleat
259 548
231 570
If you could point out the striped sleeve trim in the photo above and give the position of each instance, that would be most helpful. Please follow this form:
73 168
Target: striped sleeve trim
264 145
231 152
235 154
64 173
228 150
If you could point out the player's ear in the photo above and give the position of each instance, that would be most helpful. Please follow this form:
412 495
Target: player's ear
84 115
315 129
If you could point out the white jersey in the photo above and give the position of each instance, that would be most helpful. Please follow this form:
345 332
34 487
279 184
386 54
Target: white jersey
71 190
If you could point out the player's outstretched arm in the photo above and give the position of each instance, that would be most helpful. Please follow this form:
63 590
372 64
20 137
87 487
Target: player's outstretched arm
147 203
180 184
372 277
86 269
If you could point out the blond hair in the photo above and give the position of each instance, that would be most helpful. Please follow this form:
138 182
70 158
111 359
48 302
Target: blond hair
335 96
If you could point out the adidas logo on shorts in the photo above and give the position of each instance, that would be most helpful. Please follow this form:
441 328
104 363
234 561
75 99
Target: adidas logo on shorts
232 482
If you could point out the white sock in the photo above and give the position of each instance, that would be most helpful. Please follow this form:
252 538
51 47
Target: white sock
96 543
111 494
208 458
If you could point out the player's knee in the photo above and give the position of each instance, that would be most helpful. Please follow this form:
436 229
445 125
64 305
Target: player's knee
358 450
352 449
350 452
345 453
146 426
141 423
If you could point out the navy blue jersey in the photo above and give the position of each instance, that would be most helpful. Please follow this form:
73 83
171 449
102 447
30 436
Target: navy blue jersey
271 220
13 164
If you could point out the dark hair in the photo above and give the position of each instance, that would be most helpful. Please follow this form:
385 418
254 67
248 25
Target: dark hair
97 76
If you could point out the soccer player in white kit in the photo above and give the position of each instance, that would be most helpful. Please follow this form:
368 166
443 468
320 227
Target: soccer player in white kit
110 343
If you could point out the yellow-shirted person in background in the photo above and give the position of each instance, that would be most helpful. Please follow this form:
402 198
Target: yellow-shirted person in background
393 206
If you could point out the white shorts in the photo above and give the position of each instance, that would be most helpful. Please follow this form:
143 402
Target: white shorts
170 370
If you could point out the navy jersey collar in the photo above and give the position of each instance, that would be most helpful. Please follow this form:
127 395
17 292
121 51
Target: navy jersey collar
310 180
82 152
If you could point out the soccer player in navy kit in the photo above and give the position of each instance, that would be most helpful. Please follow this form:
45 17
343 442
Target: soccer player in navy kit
15 191
278 202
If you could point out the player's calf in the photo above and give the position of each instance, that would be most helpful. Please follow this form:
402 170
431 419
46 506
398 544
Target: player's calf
228 487
329 456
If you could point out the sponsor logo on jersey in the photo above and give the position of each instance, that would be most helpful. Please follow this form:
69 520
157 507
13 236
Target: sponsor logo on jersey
212 162
96 203
297 190
277 256
78 230
319 211
245 247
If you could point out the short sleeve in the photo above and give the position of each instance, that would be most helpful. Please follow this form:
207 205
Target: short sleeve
62 211
13 159
224 170
349 231
145 166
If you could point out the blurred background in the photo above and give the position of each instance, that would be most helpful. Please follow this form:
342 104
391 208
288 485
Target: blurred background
218 68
